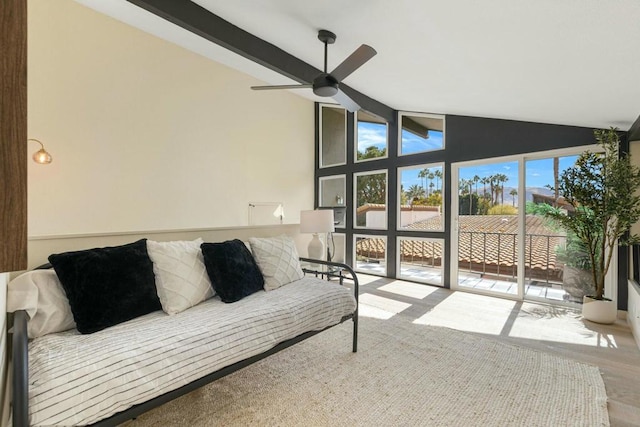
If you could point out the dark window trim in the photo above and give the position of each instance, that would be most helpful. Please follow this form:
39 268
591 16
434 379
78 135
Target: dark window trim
467 138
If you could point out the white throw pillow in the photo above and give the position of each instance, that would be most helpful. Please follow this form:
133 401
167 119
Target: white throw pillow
181 278
278 260
42 296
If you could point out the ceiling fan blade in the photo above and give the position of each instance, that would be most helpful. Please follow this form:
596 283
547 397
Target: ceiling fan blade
344 100
353 62
281 87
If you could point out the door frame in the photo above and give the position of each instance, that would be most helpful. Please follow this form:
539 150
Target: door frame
611 285
453 256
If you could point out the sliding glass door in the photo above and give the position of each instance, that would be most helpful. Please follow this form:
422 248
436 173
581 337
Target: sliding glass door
502 243
486 227
556 264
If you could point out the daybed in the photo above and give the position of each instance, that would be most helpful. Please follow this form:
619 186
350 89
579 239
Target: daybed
118 372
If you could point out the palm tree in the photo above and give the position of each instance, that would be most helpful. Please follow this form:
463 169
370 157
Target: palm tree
430 177
495 189
422 175
513 194
476 179
465 189
470 183
462 186
438 174
484 181
556 190
415 191
502 178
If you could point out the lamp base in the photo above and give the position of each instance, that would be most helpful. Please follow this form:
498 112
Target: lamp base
316 248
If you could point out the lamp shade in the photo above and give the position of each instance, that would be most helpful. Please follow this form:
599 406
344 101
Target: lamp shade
318 221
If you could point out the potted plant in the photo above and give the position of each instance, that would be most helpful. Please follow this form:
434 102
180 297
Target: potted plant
601 188
577 280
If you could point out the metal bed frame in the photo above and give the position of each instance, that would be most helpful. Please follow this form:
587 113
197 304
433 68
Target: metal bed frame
20 354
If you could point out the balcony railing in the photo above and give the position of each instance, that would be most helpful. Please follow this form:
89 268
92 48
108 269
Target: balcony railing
487 253
495 254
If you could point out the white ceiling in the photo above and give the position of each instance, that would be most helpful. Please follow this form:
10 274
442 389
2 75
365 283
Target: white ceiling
571 62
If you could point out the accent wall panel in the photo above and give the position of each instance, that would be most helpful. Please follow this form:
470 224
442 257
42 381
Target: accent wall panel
13 135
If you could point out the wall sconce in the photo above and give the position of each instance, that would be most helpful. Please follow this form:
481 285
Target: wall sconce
41 156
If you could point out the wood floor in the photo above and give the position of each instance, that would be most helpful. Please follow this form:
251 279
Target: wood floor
552 329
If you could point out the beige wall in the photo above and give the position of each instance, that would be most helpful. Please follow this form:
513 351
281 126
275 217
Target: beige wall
146 135
41 247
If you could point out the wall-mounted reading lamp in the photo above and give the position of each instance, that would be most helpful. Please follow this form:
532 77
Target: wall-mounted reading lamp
41 156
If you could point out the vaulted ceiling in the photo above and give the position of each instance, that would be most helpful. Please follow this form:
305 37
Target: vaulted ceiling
571 62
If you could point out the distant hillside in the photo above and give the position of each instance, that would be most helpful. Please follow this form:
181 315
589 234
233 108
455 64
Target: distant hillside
538 190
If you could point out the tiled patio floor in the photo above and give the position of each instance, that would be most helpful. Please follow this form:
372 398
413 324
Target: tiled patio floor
553 292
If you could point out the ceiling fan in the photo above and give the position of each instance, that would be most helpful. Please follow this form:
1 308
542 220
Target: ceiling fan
328 84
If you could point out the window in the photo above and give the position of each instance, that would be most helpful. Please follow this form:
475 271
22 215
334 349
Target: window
333 136
371 137
332 190
371 199
420 260
421 204
337 247
420 133
370 254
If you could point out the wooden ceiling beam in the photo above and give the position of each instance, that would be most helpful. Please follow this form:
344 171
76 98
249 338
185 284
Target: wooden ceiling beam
202 22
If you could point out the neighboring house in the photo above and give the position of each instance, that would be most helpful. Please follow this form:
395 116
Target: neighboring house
550 200
374 215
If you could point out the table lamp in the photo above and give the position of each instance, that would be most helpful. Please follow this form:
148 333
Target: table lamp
318 221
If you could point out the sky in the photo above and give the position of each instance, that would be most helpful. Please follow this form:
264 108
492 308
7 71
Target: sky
539 173
409 177
371 134
376 134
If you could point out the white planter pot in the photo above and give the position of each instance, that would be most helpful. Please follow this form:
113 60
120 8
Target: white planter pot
599 311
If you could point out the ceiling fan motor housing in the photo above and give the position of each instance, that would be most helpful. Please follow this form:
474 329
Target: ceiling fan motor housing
328 84
325 85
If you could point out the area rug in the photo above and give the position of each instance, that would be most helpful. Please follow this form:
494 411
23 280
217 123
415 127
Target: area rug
404 374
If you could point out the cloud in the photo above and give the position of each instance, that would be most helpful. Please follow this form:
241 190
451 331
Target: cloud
414 144
371 136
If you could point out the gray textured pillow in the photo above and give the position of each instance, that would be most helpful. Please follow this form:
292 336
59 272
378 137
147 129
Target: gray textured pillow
278 260
181 278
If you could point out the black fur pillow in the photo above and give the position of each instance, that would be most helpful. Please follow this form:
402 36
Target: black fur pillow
107 286
233 272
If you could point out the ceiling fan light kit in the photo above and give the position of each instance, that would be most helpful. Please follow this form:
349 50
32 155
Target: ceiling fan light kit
328 84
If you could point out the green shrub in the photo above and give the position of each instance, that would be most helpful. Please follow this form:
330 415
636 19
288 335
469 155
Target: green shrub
503 210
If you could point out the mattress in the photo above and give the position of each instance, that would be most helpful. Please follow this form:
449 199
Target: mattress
80 379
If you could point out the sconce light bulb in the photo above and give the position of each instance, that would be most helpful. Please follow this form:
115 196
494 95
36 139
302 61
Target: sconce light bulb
42 157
